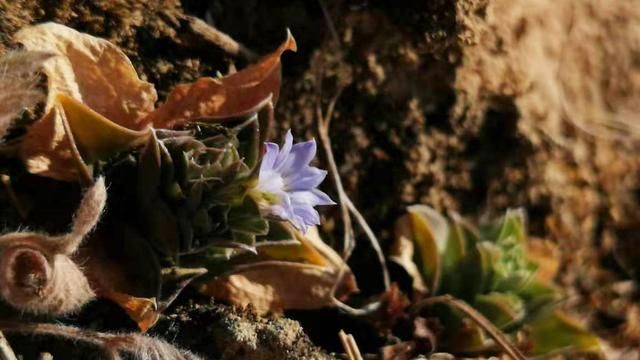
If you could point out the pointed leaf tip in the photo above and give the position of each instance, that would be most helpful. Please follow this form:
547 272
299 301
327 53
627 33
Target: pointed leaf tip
215 99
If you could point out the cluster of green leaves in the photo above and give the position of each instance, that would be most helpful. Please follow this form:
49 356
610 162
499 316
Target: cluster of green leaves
488 267
187 192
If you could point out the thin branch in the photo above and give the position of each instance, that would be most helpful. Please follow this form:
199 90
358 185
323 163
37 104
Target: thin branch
373 240
366 310
329 20
497 335
347 206
323 133
198 33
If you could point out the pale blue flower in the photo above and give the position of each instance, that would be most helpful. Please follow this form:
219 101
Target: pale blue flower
287 184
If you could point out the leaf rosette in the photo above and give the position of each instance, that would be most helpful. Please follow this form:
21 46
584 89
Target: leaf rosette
494 269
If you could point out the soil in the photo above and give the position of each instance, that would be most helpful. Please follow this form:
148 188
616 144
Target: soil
467 105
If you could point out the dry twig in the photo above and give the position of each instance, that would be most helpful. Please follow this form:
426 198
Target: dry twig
478 318
347 206
350 346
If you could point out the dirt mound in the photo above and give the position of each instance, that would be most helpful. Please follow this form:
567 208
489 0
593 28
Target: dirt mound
469 105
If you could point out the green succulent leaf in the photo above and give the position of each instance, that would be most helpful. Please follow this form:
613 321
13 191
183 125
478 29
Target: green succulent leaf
247 219
556 332
489 268
430 236
503 309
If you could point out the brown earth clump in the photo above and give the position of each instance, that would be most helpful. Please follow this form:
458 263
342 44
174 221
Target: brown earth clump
468 105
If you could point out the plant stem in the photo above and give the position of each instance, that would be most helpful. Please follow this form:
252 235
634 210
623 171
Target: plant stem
498 336
6 352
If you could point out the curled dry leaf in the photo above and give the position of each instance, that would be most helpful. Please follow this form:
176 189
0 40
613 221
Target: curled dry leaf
18 84
93 71
402 253
423 230
238 94
95 103
279 284
48 149
143 311
275 286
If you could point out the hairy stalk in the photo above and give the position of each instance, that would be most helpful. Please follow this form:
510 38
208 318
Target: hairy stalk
37 272
6 352
140 346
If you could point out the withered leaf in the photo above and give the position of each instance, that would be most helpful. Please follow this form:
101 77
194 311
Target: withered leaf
70 135
546 255
283 276
93 71
402 253
308 248
144 311
48 149
238 94
19 74
94 104
96 136
278 285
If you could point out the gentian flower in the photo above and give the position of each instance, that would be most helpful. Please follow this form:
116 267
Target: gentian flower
286 188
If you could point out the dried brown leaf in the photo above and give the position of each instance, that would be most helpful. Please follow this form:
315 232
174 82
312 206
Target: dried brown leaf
18 79
93 71
234 95
94 104
144 311
287 276
48 149
402 253
546 255
278 285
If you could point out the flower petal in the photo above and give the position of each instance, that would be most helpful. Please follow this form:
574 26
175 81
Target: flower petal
288 184
300 156
284 152
308 214
283 210
270 182
307 179
323 199
305 216
269 157
311 197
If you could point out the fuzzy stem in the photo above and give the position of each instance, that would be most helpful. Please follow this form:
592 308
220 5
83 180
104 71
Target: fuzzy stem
6 352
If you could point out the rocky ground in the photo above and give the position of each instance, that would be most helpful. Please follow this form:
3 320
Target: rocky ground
468 105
